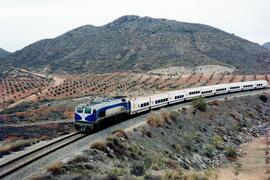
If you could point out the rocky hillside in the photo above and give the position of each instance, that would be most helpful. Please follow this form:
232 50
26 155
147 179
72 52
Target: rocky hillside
141 43
266 45
3 53
172 144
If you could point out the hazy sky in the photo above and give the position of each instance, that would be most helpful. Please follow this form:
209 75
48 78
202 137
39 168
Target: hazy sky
23 22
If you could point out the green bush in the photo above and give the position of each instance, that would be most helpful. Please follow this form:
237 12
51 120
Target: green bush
199 104
217 141
118 171
231 152
189 139
209 150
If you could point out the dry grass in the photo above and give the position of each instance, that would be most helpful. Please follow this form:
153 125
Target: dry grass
5 149
166 115
156 119
215 102
55 167
15 146
174 115
195 176
120 133
79 158
173 174
44 138
99 145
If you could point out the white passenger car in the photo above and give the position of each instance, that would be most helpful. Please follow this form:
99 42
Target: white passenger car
207 91
192 93
176 96
221 88
159 100
233 87
139 104
248 85
261 84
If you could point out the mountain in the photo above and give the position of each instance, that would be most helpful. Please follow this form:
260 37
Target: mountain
141 43
266 45
3 53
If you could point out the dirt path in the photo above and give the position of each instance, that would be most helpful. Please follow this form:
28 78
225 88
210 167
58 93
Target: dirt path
56 81
251 166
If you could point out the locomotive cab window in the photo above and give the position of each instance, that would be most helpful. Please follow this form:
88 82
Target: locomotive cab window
87 110
79 110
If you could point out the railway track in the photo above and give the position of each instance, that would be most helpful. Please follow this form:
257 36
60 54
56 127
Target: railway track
15 164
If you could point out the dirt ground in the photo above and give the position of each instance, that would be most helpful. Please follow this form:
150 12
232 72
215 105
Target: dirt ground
251 166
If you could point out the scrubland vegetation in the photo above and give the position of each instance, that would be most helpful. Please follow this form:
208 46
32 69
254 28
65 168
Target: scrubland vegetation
174 145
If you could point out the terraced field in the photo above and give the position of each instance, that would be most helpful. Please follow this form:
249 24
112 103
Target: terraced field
15 88
129 84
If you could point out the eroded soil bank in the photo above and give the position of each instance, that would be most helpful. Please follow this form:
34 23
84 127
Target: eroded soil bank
173 145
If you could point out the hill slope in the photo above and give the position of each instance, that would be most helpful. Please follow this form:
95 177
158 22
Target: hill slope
136 43
3 53
266 45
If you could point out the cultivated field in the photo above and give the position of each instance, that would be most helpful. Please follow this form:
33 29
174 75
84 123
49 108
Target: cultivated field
14 88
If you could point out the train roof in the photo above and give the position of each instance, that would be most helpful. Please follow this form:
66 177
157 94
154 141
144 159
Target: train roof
103 102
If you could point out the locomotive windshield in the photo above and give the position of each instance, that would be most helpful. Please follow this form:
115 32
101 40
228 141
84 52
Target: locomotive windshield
79 110
87 110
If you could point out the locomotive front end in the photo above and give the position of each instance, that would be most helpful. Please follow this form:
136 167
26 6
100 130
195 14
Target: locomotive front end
84 118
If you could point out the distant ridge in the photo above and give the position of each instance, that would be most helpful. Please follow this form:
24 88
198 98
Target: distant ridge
141 44
266 45
3 53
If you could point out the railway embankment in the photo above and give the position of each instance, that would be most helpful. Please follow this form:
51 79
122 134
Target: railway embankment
182 143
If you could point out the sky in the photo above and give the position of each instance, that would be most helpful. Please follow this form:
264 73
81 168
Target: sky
23 22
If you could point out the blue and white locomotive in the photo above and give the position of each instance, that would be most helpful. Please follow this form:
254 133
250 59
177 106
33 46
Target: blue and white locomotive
88 115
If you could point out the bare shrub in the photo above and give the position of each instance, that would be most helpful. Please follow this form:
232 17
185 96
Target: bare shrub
100 145
165 115
55 167
79 158
155 120
174 115
120 133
